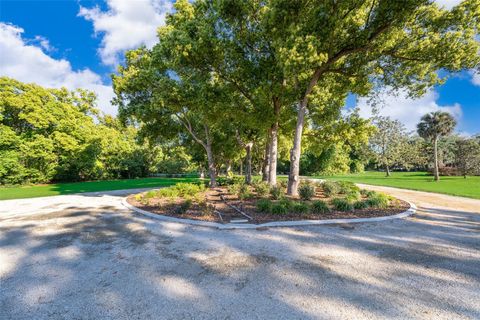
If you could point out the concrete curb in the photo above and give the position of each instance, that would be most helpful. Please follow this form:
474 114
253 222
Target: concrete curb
297 223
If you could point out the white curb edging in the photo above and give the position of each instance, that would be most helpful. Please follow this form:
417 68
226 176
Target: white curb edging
297 223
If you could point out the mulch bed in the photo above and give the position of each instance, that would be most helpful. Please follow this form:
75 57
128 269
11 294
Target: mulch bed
214 207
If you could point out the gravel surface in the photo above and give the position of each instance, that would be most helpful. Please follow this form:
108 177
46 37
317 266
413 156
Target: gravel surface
87 257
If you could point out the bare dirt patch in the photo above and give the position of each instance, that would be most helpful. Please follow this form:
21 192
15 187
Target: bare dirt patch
219 203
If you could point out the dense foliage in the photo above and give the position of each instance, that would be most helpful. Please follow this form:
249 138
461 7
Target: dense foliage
58 135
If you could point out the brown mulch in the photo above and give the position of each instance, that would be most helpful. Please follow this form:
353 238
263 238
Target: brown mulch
214 205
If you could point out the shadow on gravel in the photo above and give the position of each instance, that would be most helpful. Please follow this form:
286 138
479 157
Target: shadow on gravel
99 262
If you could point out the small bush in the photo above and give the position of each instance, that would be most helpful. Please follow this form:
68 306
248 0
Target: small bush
261 188
183 207
283 183
301 207
149 195
279 209
206 209
379 200
370 193
264 205
180 190
346 187
276 192
330 188
364 192
353 196
359 205
342 204
319 206
229 180
244 192
306 191
234 188
287 203
138 197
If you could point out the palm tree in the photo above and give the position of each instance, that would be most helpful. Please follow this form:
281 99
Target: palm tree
432 126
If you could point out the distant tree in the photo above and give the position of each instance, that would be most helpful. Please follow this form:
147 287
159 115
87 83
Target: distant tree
467 155
432 126
388 142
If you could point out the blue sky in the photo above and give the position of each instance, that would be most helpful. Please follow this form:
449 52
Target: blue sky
78 43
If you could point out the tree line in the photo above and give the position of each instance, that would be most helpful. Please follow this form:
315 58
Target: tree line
247 86
251 73
58 135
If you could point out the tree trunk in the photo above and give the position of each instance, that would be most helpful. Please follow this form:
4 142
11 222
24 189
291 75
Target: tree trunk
293 177
435 159
387 170
211 161
266 159
248 169
272 176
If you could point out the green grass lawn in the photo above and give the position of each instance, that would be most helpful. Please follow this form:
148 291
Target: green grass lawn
457 186
54 189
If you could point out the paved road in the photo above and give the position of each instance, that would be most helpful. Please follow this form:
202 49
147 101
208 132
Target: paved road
87 257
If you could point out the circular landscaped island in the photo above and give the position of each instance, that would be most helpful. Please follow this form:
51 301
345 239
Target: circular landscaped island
234 201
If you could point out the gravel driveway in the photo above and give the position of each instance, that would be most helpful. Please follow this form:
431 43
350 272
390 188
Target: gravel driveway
87 257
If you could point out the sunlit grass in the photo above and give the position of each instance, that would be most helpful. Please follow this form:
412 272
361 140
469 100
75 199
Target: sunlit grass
53 189
457 186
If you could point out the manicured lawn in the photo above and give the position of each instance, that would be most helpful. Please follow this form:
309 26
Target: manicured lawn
457 186
91 186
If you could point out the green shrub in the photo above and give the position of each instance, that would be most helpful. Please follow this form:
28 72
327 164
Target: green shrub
319 206
283 183
229 180
342 204
279 209
206 209
306 191
370 193
301 207
364 192
330 188
244 192
363 204
276 192
183 207
353 196
379 200
138 197
149 195
287 203
234 188
346 187
180 190
264 205
261 188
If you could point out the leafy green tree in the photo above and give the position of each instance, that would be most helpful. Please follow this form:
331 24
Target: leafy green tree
467 156
329 48
56 134
431 127
388 142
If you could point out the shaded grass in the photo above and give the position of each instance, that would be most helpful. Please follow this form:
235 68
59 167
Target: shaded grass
421 181
19 192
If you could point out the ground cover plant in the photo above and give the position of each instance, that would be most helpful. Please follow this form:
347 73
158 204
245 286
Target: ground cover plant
260 203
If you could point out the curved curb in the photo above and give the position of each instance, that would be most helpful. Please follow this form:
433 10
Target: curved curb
296 223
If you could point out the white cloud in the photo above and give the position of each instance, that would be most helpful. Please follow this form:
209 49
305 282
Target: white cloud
475 77
28 63
44 43
406 110
126 25
448 4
